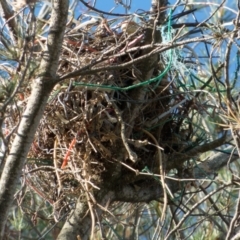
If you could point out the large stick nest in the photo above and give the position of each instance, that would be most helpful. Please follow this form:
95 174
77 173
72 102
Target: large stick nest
98 132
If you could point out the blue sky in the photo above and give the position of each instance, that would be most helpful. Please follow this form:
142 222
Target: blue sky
107 5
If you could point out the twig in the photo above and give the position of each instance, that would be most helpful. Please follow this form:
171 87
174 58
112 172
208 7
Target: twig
56 166
184 217
132 155
65 160
162 173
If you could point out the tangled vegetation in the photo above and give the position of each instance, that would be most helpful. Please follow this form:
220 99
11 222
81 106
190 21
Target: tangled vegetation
142 101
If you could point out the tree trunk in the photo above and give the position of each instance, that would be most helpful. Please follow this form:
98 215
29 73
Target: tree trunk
41 89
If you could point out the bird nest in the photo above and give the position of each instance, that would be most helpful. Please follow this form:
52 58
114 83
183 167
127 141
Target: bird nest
91 130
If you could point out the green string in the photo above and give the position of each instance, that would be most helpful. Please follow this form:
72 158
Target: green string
146 170
158 78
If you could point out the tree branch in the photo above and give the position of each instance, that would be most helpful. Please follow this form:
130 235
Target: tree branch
41 90
214 163
181 157
146 190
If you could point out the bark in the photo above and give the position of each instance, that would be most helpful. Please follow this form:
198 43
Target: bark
79 222
195 151
41 88
214 163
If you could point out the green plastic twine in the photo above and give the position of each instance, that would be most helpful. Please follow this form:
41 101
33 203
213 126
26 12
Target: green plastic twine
158 78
